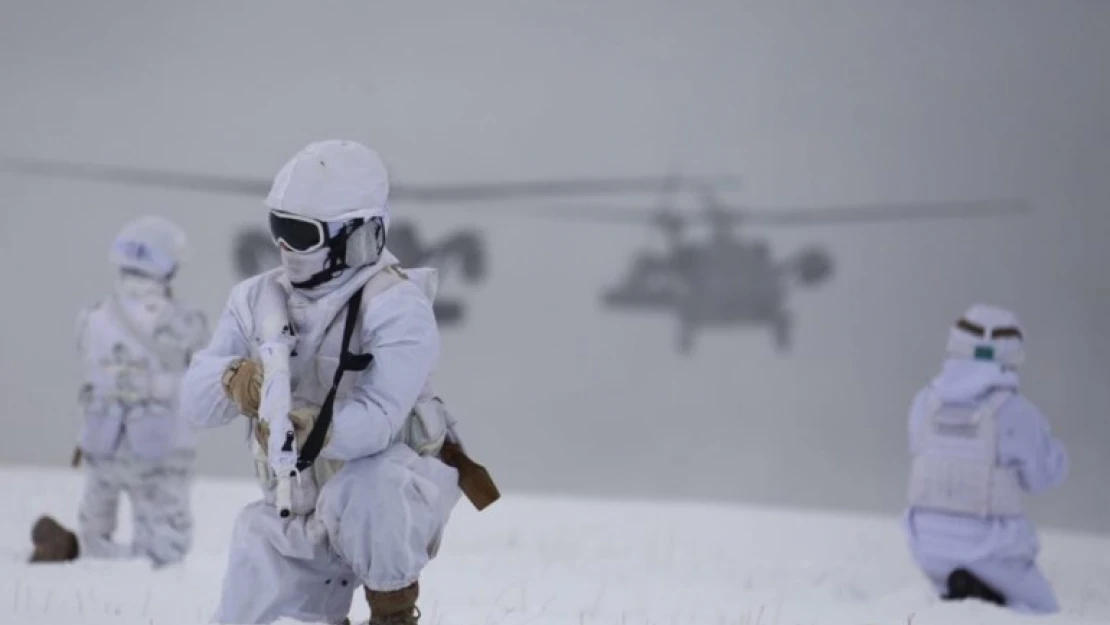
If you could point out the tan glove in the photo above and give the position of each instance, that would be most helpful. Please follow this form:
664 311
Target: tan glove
242 381
303 419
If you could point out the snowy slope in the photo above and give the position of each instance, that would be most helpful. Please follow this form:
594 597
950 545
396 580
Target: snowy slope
548 561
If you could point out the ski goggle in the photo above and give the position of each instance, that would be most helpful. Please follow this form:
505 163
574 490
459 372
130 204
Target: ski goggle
146 259
300 234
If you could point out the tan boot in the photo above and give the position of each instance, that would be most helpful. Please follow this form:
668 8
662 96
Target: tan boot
397 607
53 543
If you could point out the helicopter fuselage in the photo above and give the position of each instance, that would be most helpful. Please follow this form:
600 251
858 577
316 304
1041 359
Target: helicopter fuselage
719 283
255 252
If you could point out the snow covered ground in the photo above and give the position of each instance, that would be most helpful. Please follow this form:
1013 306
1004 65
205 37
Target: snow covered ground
550 561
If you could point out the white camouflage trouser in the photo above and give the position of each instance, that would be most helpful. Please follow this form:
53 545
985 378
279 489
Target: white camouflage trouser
159 492
377 523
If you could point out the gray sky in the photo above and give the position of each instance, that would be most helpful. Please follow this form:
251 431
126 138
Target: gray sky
813 102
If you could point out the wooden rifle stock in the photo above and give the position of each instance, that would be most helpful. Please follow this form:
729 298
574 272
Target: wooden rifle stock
474 480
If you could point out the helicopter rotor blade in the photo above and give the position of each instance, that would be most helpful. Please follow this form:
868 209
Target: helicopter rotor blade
584 213
875 213
662 213
137 177
259 187
792 216
542 188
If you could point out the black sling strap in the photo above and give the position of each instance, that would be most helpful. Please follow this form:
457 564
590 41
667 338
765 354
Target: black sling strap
347 362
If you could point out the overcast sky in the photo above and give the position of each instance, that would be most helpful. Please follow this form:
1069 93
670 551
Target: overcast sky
815 103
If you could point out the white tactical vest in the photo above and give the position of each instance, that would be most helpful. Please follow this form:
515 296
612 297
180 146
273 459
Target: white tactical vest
428 424
134 371
956 469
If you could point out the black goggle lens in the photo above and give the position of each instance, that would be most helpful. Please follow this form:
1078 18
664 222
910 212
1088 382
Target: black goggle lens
299 235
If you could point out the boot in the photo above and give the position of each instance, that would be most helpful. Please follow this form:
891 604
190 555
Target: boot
963 584
53 543
396 607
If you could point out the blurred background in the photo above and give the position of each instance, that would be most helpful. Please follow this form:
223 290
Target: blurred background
565 351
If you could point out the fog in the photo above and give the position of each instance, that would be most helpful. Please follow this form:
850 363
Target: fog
813 103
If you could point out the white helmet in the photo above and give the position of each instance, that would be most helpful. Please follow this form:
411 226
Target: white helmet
329 210
153 246
988 333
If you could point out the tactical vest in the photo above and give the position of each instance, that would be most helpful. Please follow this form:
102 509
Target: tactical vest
956 469
137 362
425 429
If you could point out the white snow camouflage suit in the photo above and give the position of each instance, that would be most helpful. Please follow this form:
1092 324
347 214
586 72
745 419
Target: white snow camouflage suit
372 510
133 440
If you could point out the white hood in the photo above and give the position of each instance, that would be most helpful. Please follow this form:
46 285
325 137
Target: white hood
965 381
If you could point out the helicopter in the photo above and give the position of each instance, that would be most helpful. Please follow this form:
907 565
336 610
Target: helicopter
253 251
731 280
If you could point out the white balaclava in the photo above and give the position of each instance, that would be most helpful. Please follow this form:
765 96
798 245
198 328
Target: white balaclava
329 211
988 334
148 252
